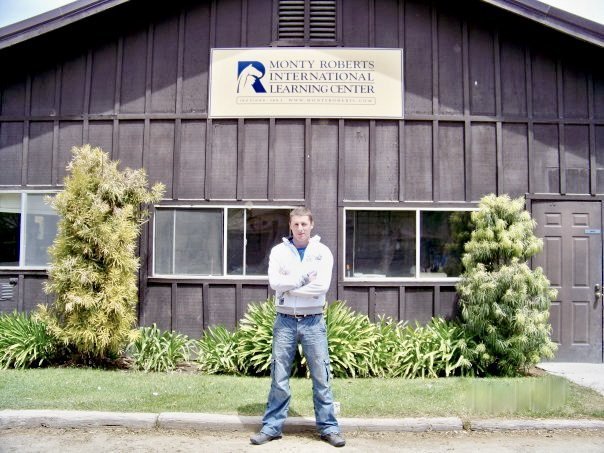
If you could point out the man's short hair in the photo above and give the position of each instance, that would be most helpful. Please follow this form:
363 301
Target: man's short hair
300 211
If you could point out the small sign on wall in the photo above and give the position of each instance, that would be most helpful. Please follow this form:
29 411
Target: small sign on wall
306 82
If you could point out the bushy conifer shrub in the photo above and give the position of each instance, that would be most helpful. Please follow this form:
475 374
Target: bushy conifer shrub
93 271
504 303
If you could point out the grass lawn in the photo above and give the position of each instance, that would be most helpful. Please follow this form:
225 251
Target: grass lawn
89 389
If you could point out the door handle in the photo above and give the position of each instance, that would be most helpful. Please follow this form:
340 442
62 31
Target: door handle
598 291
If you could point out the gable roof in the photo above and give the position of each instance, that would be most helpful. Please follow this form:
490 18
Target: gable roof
534 10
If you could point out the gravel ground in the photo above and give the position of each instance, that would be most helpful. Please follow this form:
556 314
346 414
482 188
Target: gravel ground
125 440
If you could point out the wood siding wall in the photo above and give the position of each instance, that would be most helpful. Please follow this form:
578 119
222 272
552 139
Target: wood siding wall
493 103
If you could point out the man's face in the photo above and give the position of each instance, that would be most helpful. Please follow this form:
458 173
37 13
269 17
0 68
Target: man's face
301 226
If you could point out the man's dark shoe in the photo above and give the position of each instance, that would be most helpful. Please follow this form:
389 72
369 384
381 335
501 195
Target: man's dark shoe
261 438
333 439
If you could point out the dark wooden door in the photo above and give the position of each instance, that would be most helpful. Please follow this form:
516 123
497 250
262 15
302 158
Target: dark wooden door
572 261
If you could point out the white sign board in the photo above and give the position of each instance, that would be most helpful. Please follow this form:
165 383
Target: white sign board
306 82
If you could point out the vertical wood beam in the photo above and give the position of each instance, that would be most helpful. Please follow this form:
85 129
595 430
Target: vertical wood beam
117 96
371 22
593 176
239 189
466 111
435 81
341 162
498 115
243 30
436 195
307 160
373 171
272 155
205 309
401 160
239 311
372 302
209 132
55 129
148 87
436 308
173 299
25 138
20 293
529 111
340 253
87 90
561 147
402 304
178 107
208 157
401 123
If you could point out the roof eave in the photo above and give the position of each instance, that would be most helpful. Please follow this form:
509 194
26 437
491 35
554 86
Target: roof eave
52 20
563 21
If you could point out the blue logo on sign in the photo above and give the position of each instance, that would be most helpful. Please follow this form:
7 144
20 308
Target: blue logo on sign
249 74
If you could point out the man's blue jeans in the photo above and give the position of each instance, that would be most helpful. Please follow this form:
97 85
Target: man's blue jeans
311 332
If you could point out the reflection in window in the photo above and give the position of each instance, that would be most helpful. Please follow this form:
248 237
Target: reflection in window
383 244
264 229
26 245
40 230
380 244
188 241
191 241
10 225
443 235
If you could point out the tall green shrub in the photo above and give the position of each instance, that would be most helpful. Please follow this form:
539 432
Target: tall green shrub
93 273
504 303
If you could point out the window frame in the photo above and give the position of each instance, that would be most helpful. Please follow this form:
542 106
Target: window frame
224 207
23 227
417 211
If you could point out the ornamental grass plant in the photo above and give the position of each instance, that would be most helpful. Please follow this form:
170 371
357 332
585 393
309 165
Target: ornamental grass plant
254 339
217 351
357 346
25 342
154 350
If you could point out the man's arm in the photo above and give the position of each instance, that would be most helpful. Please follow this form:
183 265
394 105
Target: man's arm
281 278
318 285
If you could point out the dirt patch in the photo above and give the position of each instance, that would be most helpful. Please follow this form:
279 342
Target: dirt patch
124 440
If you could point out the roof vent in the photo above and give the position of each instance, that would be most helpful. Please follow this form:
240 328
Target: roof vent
307 20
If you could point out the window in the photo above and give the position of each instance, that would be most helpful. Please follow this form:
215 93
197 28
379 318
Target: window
218 241
414 244
27 228
307 21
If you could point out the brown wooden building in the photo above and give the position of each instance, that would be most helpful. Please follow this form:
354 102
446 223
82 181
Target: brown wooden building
499 96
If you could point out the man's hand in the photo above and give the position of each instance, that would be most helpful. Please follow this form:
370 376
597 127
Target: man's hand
312 275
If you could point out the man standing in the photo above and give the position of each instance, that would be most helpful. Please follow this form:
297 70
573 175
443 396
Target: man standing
299 271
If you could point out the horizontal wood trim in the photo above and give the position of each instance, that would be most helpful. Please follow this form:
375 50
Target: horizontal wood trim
407 116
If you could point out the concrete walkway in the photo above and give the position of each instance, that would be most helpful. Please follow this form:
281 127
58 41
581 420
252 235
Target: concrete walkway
586 374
